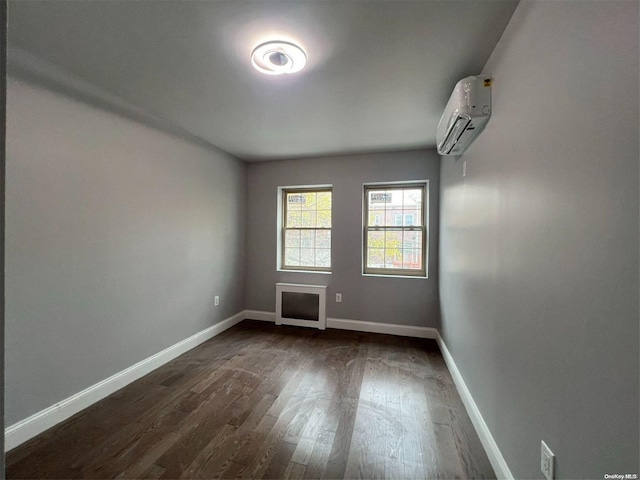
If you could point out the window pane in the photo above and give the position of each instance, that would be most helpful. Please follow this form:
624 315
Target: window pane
295 201
391 259
323 239
307 238
393 248
411 218
412 259
412 198
324 201
393 239
323 257
308 219
378 199
394 207
406 258
375 239
292 238
294 219
307 257
309 201
376 219
292 257
323 219
375 258
390 217
412 239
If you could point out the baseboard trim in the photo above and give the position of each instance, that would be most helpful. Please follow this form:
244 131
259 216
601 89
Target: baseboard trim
357 325
37 423
386 328
490 446
259 315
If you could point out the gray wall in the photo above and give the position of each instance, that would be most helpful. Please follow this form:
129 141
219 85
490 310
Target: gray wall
407 301
539 242
118 236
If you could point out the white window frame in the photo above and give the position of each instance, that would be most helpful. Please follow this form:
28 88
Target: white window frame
397 272
281 227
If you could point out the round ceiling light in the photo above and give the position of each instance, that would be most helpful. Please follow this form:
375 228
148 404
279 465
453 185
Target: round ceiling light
278 57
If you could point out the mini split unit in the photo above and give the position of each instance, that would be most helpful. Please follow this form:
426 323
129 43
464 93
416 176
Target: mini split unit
465 115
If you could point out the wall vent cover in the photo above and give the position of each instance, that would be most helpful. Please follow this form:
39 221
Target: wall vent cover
301 305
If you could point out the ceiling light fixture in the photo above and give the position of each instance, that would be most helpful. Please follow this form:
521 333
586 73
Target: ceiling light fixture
278 57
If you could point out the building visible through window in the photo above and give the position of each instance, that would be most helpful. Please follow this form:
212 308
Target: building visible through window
395 234
306 229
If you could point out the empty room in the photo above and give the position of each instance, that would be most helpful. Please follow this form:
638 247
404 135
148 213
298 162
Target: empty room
321 239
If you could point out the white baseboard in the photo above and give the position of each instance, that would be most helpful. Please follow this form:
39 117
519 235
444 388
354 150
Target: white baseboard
388 328
491 447
37 423
357 325
259 315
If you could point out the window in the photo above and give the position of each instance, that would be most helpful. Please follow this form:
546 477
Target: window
395 233
306 229
398 219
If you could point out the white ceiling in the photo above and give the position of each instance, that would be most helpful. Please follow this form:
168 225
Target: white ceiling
379 73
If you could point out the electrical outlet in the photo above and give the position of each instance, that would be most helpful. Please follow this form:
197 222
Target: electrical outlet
216 300
546 461
338 297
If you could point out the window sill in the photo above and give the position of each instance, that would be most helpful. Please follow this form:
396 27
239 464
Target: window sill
303 271
419 277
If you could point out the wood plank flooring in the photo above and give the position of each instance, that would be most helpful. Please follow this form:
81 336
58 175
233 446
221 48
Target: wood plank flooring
260 401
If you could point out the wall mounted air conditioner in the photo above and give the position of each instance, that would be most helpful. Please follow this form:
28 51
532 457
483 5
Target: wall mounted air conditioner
465 115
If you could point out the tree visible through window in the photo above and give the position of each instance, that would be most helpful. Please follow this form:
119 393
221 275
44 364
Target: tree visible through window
306 229
395 229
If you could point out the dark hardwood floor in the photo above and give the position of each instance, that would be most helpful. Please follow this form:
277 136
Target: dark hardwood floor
260 401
